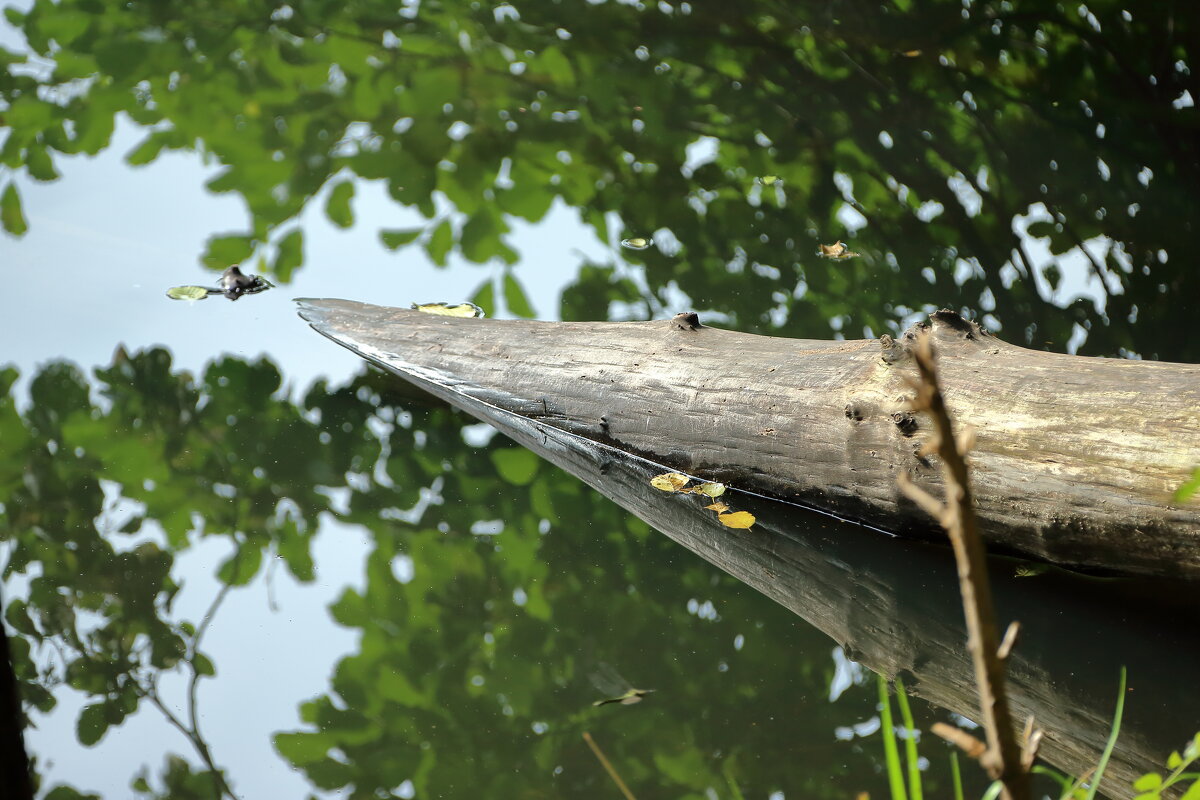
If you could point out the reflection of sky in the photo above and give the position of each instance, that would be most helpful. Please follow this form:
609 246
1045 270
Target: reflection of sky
104 243
107 240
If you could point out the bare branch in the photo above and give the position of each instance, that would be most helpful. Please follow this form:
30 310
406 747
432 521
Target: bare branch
1002 757
1007 644
928 503
960 738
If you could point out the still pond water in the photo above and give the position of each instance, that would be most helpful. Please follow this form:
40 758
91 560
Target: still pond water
229 545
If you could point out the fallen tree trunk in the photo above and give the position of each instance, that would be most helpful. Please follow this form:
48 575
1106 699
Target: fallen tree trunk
1075 458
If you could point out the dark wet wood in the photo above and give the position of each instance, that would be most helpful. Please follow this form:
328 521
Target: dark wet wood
1075 458
891 604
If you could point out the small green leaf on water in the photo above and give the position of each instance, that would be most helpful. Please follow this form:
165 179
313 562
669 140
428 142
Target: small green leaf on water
187 293
449 310
636 243
669 482
713 489
736 519
770 180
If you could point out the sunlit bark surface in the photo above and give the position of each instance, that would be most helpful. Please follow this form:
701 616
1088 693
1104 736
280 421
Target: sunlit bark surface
1075 459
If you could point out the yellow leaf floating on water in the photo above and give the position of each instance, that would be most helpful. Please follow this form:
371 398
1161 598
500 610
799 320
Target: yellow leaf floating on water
712 489
449 309
837 250
736 519
669 481
636 243
718 507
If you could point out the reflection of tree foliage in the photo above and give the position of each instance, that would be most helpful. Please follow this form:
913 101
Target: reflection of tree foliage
477 641
500 109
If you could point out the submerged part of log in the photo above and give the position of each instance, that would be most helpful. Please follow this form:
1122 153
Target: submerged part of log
1075 458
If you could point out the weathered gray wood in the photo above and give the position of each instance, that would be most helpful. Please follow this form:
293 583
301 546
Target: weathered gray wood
889 603
1075 461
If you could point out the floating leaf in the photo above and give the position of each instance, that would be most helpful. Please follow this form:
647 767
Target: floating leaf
711 489
669 481
187 293
911 53
718 507
1029 570
836 250
736 519
449 309
637 243
770 180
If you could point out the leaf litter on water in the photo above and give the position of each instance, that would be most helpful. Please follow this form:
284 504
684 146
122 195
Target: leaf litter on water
449 309
676 483
736 519
669 482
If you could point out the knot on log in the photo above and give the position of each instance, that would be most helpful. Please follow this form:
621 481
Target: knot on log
906 421
945 324
687 321
892 350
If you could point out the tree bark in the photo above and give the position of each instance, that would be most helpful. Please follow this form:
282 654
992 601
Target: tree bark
1075 459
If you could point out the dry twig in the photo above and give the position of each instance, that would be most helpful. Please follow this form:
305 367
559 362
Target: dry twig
608 767
1002 757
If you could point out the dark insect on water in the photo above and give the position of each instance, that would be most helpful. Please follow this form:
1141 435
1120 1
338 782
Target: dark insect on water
233 284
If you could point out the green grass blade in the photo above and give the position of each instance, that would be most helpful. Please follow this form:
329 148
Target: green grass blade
890 751
993 791
1112 741
728 770
1064 782
910 743
955 776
